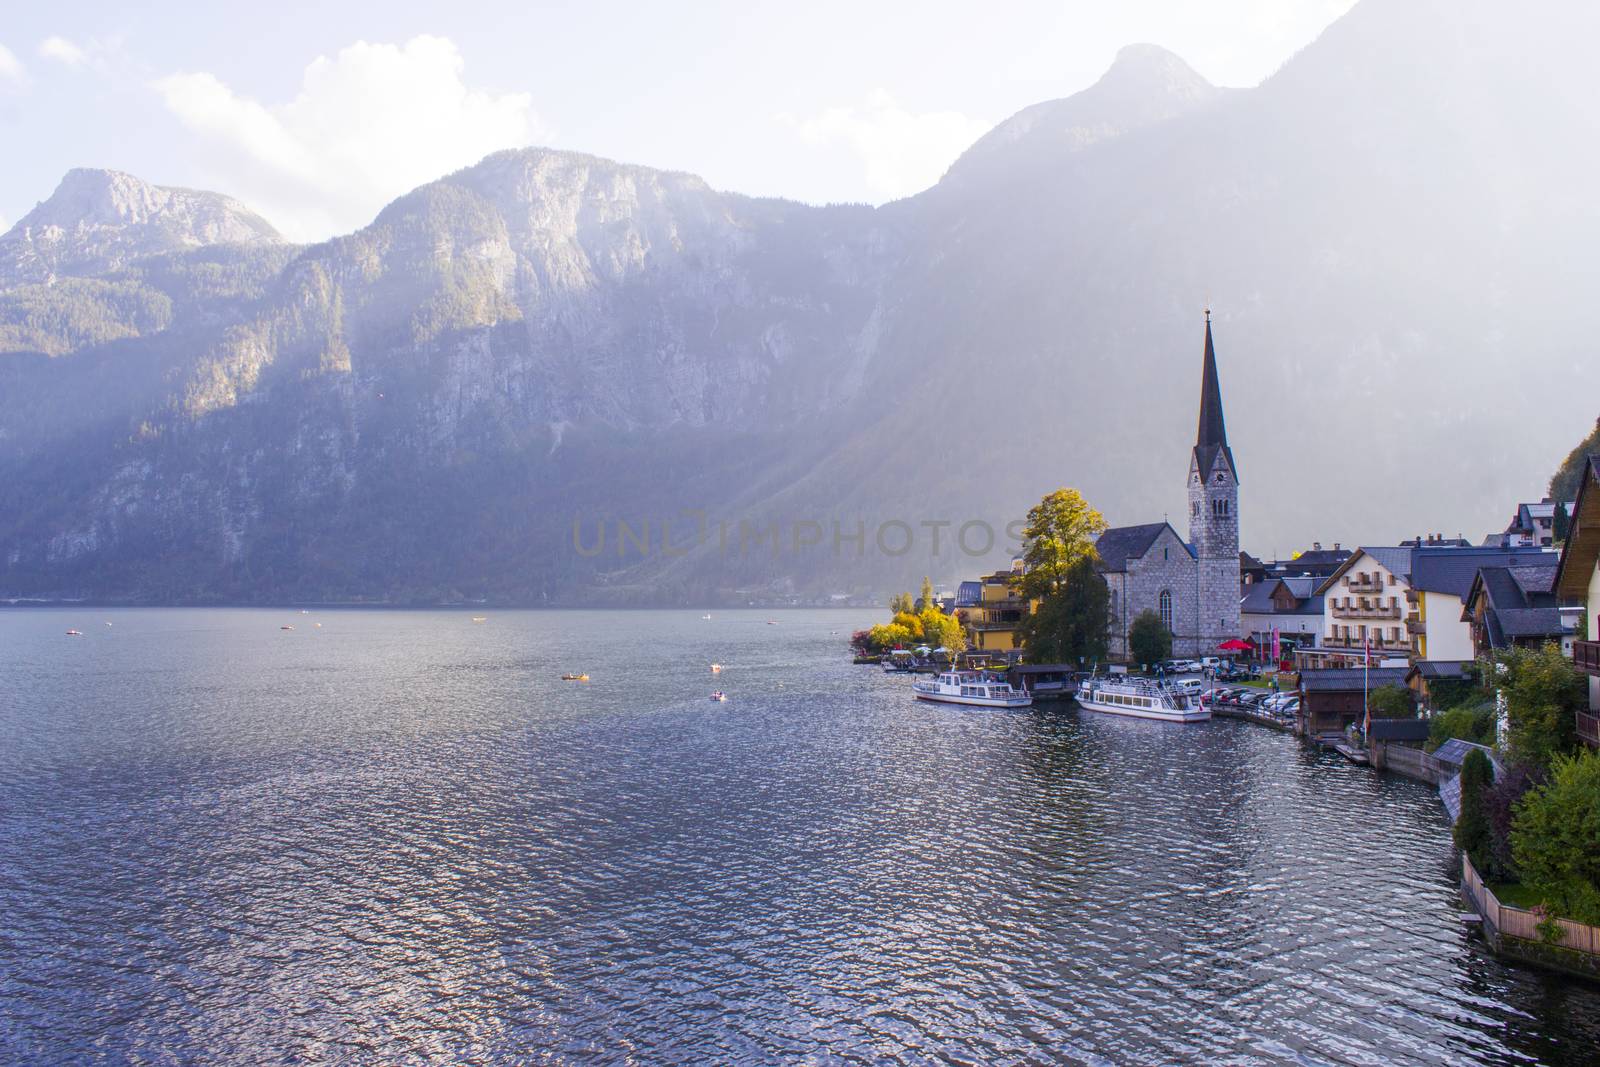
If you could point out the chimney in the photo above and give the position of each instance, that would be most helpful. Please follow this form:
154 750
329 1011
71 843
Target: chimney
1316 546
1336 546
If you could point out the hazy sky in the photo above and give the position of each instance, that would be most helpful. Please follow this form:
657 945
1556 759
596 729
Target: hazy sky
317 114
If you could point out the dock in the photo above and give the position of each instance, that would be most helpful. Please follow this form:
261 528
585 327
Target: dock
1251 716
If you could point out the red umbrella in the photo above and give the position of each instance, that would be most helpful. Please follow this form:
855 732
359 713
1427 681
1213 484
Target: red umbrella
1235 645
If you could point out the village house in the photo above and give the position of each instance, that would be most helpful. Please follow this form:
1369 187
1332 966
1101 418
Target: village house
1441 578
1578 580
1362 612
1286 607
994 619
1331 700
1534 525
1515 606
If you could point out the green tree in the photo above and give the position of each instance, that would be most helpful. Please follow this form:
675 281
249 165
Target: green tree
1561 523
1469 722
927 593
900 604
885 636
1070 624
943 631
1555 838
1472 826
1149 640
1542 689
1060 531
1391 702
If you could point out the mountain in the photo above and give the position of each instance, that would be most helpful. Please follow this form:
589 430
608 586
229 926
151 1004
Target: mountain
455 401
98 221
1145 85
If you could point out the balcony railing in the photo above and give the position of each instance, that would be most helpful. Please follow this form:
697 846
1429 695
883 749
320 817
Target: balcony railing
1415 625
1364 583
1588 729
1586 656
1377 644
1375 611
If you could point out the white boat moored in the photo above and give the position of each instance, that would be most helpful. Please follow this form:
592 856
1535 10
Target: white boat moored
1140 699
976 688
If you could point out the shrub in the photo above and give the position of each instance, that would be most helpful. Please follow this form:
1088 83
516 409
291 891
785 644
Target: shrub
1472 826
1149 640
1391 702
1555 838
1469 722
1542 690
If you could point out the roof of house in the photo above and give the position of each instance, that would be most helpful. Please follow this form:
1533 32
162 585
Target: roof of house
968 594
1582 549
1454 752
1517 602
1440 668
1258 597
1322 556
1351 679
1532 622
1452 570
1303 587
1121 543
1398 730
1393 558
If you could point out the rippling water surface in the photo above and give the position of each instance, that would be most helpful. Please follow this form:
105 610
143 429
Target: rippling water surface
400 837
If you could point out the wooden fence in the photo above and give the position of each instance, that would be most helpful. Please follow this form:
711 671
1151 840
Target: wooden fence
1520 923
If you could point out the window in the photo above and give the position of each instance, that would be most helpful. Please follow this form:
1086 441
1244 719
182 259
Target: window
1166 609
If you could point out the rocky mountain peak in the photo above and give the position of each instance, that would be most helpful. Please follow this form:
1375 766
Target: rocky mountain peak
1152 71
97 221
1145 84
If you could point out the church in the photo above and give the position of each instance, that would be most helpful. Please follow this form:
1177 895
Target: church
1193 586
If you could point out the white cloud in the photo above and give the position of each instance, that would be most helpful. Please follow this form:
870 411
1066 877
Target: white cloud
900 151
375 121
11 67
63 51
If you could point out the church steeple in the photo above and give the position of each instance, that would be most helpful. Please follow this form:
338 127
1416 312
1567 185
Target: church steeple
1212 435
1214 513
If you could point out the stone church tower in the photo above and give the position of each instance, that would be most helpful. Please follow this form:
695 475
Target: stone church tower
1214 515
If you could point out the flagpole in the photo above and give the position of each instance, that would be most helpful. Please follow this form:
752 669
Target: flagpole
1366 665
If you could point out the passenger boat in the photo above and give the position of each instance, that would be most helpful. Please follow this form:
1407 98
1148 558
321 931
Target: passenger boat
977 688
1141 699
720 697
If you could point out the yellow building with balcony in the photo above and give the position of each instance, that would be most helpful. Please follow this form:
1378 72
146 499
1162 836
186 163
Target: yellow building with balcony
994 622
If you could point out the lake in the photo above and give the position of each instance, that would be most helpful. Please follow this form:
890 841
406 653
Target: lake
398 836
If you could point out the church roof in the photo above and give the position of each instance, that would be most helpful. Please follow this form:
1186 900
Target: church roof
1122 543
1212 435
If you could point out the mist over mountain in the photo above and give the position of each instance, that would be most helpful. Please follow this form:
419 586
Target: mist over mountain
1394 232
